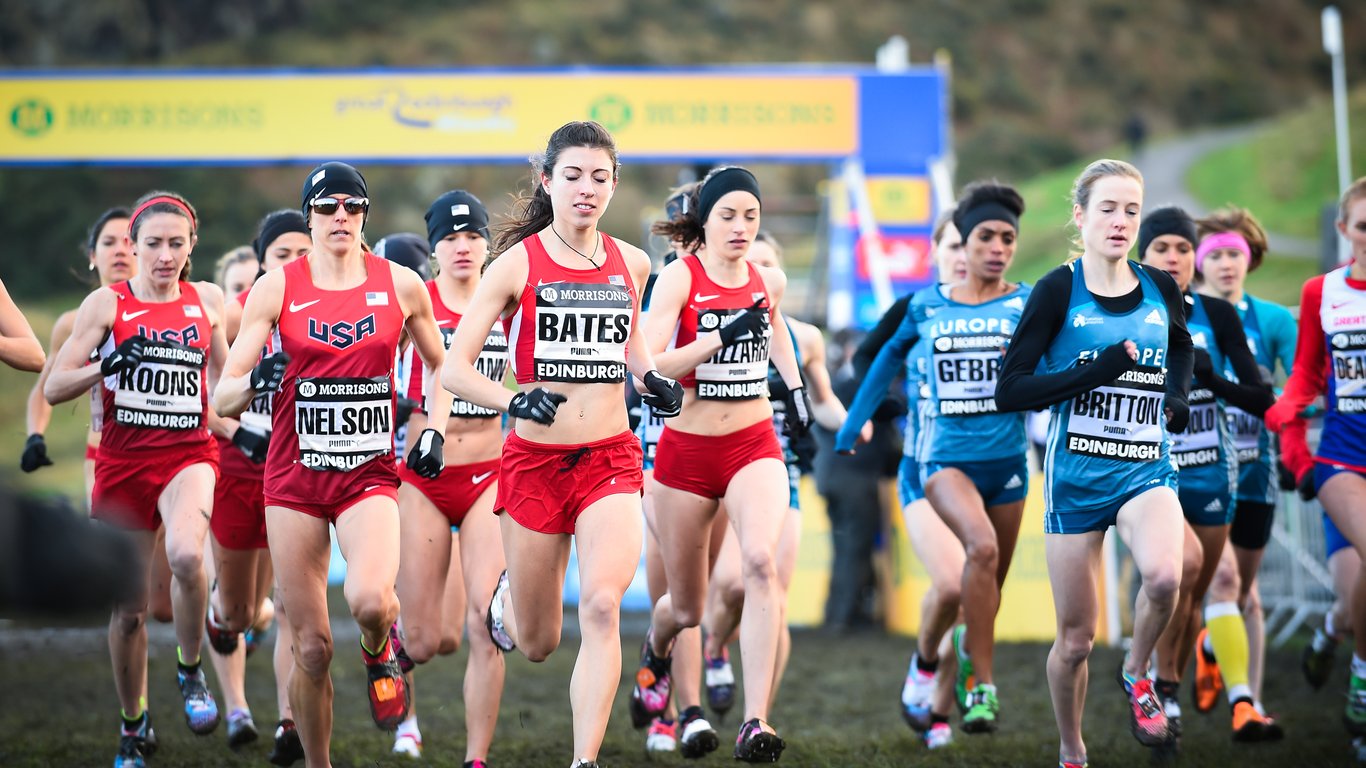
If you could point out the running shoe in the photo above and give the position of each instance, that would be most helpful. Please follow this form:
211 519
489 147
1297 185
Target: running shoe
1354 716
662 736
241 728
201 711
698 739
585 764
756 745
1167 691
1208 682
1249 724
136 744
965 680
982 712
405 662
1317 661
720 679
917 695
650 694
388 692
1147 719
288 748
1071 764
475 763
220 639
939 735
493 619
408 744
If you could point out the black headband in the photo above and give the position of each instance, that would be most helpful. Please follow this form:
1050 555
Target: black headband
456 211
965 220
719 184
330 179
274 225
1168 220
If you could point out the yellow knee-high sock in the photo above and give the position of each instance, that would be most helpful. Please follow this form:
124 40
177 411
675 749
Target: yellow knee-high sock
1228 635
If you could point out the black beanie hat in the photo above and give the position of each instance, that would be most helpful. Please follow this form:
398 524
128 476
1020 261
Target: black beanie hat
455 211
407 249
330 179
274 224
1167 220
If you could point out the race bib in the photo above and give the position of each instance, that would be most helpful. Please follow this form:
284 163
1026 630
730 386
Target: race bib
165 391
1349 370
965 372
1121 420
493 364
1198 446
581 332
1247 434
343 422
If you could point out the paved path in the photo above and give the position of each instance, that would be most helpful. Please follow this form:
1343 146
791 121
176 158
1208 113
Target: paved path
1165 165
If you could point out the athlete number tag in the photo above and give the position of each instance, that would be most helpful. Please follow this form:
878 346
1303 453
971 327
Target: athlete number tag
1247 434
965 372
164 392
343 422
1198 446
1349 371
1121 420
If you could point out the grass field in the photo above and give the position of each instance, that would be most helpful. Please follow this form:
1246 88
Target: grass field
838 707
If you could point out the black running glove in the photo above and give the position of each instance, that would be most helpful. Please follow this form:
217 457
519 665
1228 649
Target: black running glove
797 420
745 324
403 409
426 457
270 372
35 453
538 405
1306 487
1178 413
252 444
1115 360
125 356
664 395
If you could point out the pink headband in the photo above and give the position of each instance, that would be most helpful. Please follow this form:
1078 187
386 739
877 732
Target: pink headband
1217 241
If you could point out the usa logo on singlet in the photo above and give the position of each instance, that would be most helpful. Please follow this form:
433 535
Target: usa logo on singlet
341 335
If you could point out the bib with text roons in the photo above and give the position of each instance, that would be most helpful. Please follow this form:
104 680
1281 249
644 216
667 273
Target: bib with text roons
736 371
162 402
572 325
343 422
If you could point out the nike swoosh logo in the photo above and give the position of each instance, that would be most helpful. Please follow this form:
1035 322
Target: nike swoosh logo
699 298
296 307
130 315
540 283
459 227
443 322
477 479
1339 305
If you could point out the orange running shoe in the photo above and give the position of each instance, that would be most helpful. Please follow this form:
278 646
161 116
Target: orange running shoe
1251 725
1208 682
389 694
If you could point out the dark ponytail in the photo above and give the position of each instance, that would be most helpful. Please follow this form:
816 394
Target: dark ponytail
532 212
682 223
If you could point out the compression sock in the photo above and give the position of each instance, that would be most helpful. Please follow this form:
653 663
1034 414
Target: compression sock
1228 635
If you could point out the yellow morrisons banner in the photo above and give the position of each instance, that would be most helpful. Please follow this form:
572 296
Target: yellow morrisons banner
241 117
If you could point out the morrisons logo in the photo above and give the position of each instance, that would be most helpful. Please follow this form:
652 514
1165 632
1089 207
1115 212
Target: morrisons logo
31 117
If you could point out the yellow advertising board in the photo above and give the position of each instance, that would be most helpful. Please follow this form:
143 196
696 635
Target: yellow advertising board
244 117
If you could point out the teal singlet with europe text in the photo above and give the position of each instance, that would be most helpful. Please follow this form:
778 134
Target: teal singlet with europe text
1105 443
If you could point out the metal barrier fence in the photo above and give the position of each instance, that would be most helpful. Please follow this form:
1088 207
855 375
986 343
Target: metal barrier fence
1294 581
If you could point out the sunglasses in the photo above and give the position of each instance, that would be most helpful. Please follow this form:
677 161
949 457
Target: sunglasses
328 205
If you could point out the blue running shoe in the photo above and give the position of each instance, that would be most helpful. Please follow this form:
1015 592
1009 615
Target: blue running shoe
201 711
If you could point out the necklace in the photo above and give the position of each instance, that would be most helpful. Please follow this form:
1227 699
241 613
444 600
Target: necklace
596 243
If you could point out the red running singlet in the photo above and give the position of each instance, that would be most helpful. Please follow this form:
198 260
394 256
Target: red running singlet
572 325
492 361
162 403
737 371
333 414
256 418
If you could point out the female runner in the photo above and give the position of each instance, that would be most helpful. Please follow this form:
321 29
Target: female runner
155 335
461 499
712 318
1330 360
974 462
567 296
1117 361
337 314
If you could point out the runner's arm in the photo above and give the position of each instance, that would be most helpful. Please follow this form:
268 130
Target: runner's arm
1309 376
259 316
1249 393
73 373
781 352
426 337
639 360
212 297
498 292
881 334
39 412
19 347
667 300
825 407
874 386
1180 348
1020 387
